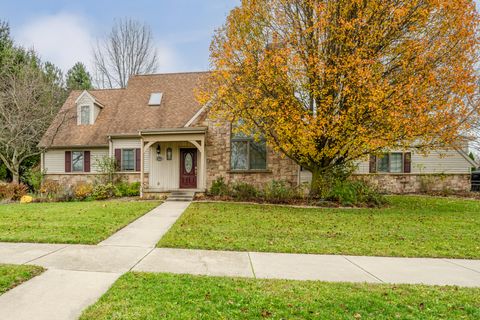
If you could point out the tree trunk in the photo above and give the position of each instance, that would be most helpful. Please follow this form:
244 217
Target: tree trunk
316 184
15 177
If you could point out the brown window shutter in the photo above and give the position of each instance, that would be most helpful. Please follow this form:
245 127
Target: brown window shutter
407 162
373 164
118 158
86 161
68 161
137 160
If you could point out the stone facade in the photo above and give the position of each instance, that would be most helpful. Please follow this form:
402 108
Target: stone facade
70 180
218 160
417 183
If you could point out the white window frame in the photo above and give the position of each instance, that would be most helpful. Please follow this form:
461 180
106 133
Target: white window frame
122 169
389 154
89 114
248 141
83 161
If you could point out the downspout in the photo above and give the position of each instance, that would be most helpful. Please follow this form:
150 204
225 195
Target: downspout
42 161
142 164
110 147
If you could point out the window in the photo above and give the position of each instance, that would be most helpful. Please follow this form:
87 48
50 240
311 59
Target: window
247 154
128 160
155 99
77 161
85 115
390 163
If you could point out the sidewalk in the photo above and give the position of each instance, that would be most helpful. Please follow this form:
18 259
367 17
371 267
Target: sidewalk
79 274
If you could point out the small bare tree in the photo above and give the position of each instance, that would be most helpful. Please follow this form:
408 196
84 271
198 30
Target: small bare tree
127 50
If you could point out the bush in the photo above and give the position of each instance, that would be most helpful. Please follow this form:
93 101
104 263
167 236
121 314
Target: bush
244 191
50 188
125 189
3 171
219 187
13 191
103 191
280 191
108 169
350 193
83 191
34 177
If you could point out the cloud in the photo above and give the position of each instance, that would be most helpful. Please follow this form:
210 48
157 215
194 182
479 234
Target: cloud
61 38
168 60
66 38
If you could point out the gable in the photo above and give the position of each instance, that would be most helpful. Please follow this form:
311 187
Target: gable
126 111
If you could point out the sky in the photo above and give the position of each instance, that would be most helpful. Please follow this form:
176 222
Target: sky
63 31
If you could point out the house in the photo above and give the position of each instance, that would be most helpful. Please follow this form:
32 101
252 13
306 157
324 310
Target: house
159 134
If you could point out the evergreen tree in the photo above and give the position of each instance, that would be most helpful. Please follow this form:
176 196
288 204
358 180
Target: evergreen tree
78 78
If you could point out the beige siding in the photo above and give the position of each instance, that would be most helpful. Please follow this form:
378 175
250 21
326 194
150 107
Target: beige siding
85 100
132 144
305 176
165 174
437 161
442 161
96 112
54 160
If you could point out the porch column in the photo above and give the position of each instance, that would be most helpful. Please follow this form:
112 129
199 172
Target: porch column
203 159
142 161
203 173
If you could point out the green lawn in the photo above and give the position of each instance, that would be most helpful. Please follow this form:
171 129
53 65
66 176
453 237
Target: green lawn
167 296
11 276
68 222
412 226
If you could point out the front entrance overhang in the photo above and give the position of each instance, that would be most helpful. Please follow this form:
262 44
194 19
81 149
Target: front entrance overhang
195 136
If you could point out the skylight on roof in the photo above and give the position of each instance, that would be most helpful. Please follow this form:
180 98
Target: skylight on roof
155 99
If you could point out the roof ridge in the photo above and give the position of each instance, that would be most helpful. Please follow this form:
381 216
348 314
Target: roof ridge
169 73
105 89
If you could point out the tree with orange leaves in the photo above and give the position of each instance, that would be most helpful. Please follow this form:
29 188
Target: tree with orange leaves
328 82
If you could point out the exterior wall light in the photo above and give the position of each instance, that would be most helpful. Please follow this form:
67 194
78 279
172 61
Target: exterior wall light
169 153
159 151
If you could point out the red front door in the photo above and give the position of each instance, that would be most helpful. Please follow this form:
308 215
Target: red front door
188 168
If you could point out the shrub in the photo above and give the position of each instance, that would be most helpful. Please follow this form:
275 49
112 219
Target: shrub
83 190
108 169
103 191
349 193
125 189
13 191
244 191
3 171
34 177
279 191
65 195
219 187
50 188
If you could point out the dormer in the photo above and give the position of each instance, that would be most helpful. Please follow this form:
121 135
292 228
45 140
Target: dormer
88 108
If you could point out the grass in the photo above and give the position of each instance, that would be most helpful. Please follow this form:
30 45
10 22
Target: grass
11 276
68 222
168 296
412 226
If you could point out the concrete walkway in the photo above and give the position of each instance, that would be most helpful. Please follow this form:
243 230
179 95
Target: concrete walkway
146 231
314 267
79 274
